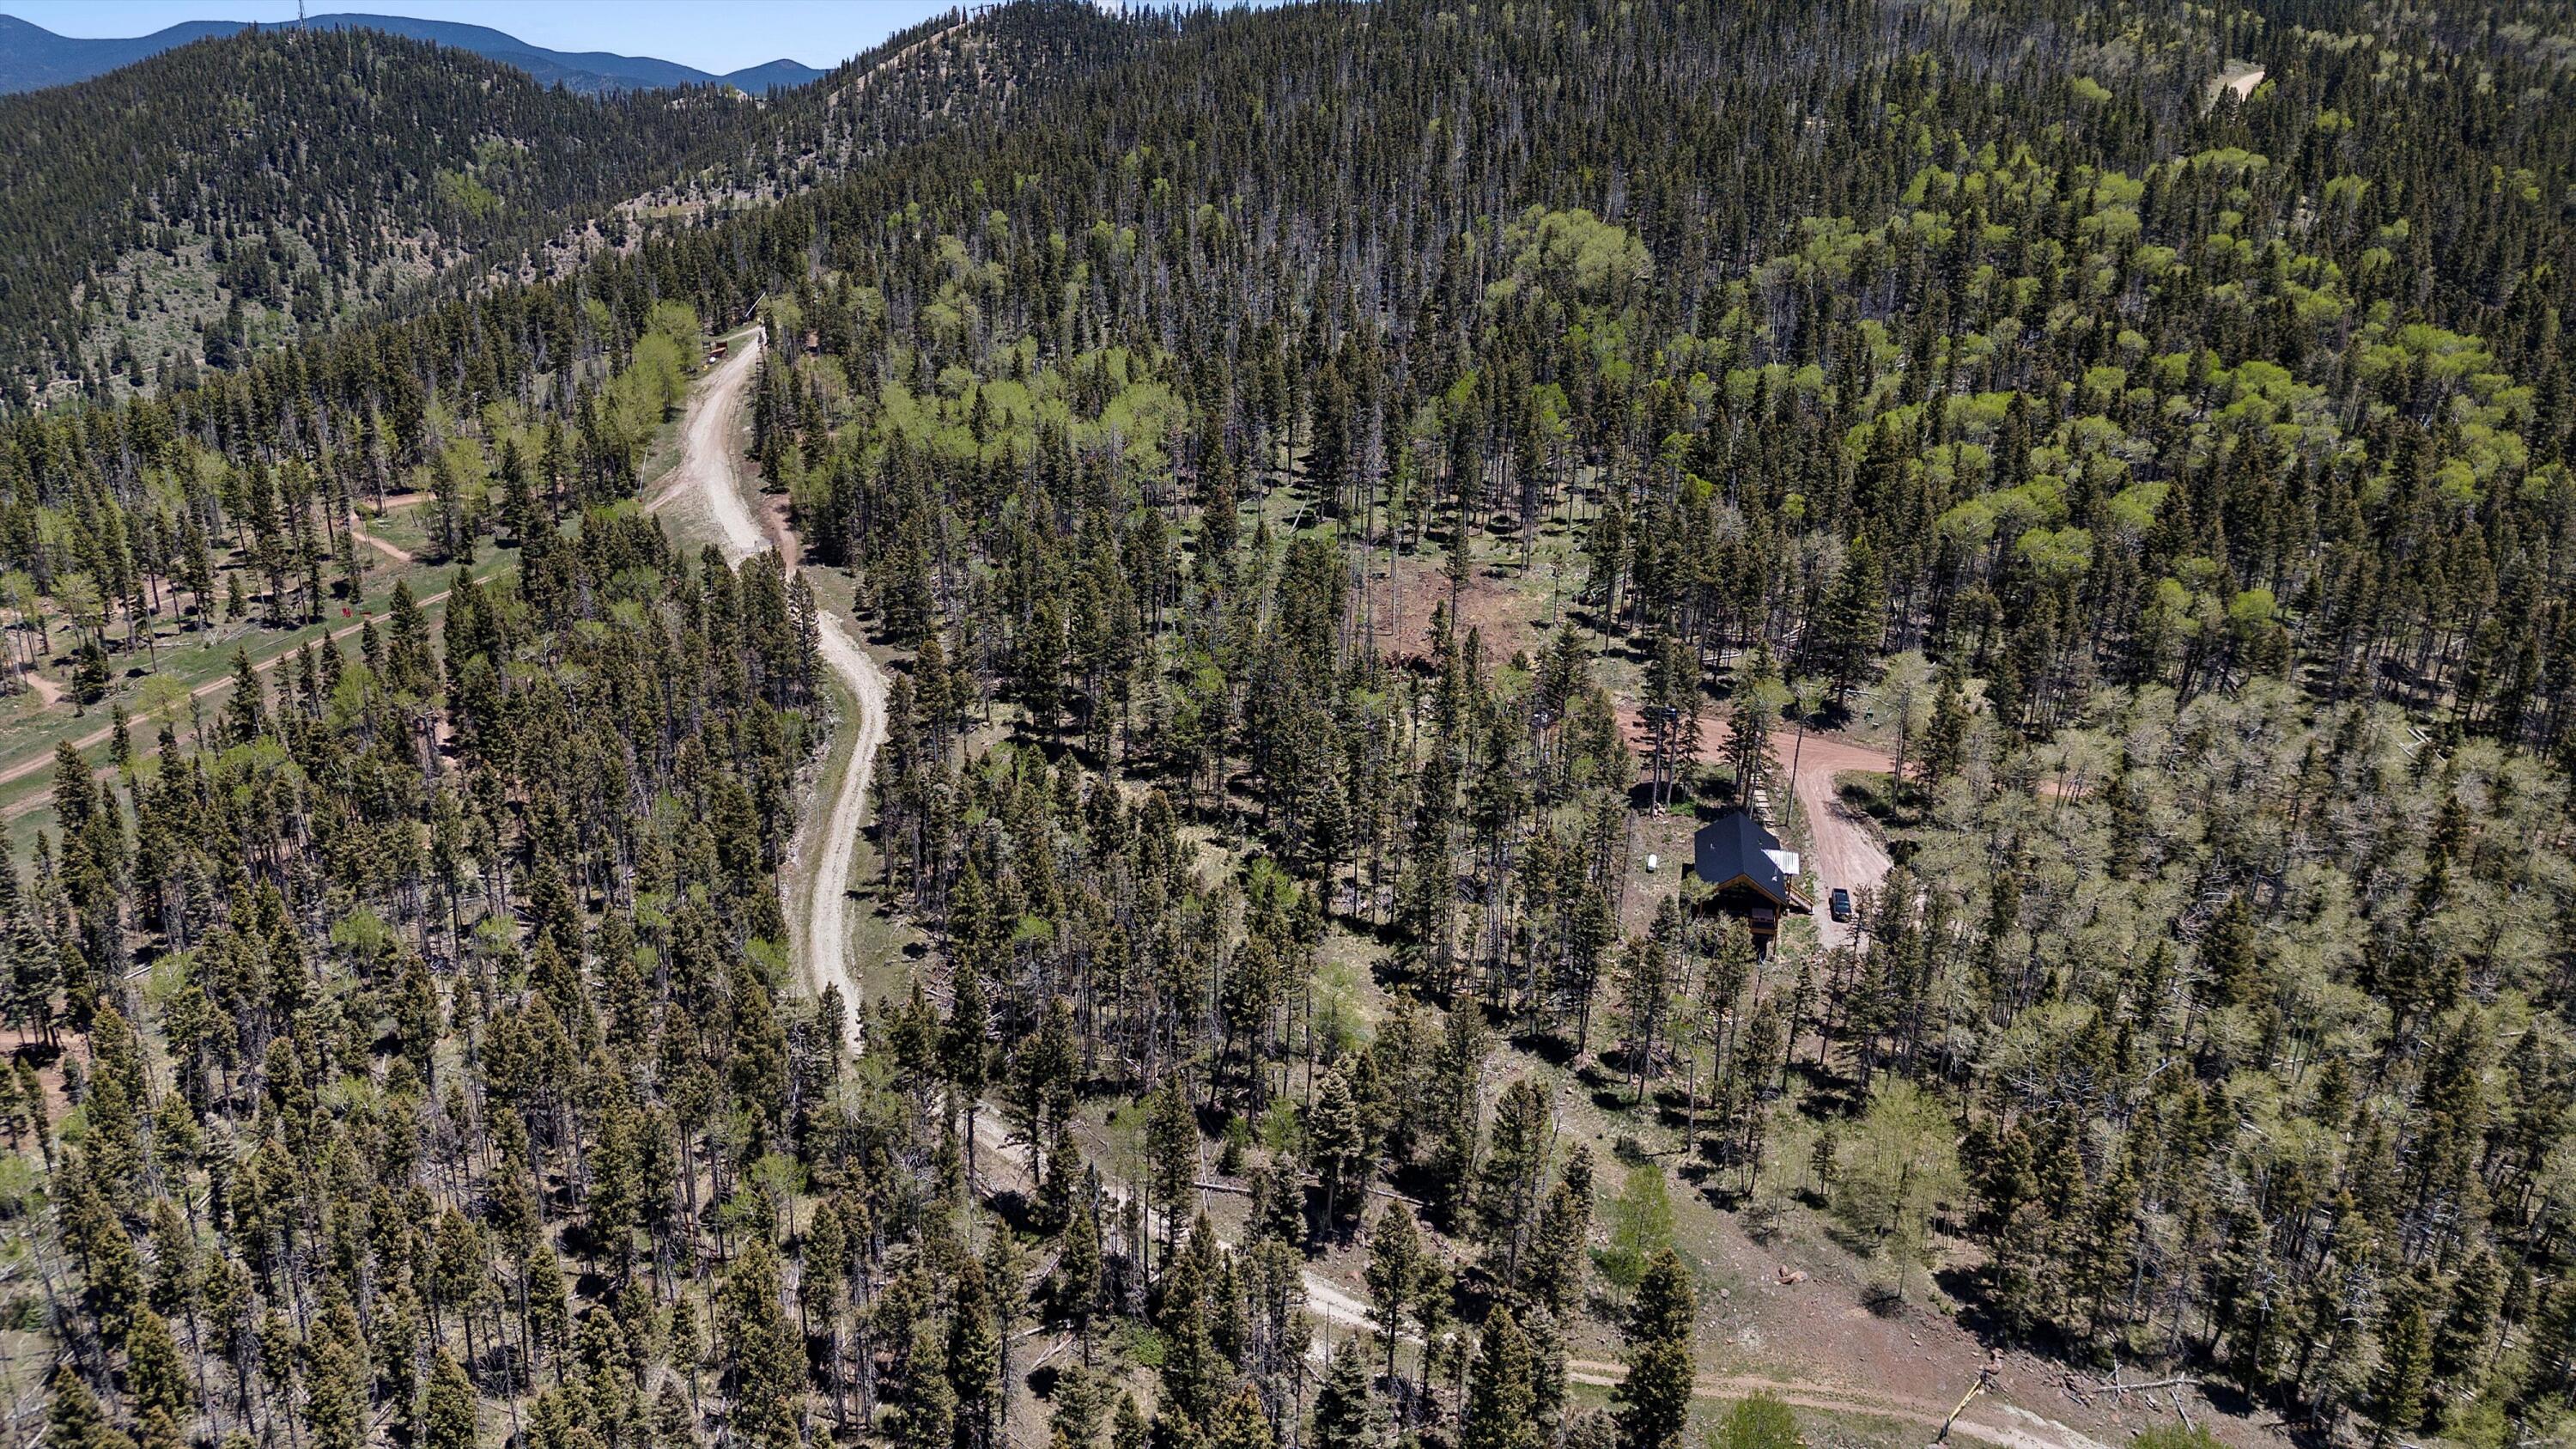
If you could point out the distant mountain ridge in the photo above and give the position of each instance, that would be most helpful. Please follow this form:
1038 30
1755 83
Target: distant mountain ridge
32 57
201 206
225 194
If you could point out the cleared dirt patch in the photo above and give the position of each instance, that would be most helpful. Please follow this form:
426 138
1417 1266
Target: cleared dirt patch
706 467
1508 611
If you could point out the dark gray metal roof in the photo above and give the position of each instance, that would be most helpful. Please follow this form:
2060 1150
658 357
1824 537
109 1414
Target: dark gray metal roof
1734 844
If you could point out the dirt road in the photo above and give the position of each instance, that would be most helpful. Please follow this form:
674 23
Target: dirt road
835 835
827 843
1330 1305
1974 1423
1327 1302
2238 76
392 551
1843 848
707 458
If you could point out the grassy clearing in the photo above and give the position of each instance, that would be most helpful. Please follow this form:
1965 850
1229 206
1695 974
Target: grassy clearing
151 685
406 528
154 689
200 660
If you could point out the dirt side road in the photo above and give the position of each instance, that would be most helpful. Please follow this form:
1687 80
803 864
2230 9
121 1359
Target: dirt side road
834 836
707 459
358 531
44 759
1975 1422
1331 1306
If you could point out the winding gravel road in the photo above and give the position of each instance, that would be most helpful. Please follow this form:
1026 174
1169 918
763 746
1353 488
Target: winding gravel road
826 920
828 841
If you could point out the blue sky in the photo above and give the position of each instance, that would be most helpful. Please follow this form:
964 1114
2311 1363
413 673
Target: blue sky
713 35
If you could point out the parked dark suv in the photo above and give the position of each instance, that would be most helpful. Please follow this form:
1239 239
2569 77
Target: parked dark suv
1840 902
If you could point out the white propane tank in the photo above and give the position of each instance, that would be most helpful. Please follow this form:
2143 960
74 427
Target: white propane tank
1650 865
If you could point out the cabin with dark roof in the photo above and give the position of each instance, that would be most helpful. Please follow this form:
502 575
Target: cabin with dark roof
1748 874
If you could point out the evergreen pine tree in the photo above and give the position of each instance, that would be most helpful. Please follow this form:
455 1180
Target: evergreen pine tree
1336 1144
1653 1401
153 1368
448 1421
2460 1344
1499 1411
1240 1421
1396 1268
1561 1248
2405 1368
1172 1154
764 1368
1345 1411
74 1419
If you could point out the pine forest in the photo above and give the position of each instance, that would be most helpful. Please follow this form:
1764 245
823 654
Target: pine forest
1463 724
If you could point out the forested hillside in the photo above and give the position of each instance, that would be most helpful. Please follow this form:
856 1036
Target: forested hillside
952 73
216 198
1342 491
214 201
